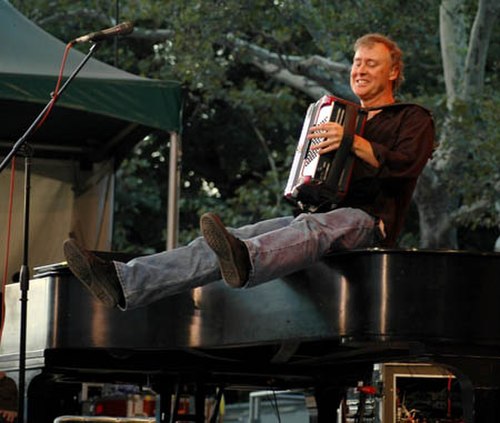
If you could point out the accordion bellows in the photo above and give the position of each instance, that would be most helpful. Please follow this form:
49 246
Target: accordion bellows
328 174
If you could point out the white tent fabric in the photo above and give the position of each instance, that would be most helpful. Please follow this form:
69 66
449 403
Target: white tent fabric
55 211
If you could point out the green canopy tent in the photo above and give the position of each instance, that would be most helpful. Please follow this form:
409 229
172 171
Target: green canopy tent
104 111
97 121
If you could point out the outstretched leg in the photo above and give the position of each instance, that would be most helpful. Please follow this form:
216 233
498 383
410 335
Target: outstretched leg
307 239
149 278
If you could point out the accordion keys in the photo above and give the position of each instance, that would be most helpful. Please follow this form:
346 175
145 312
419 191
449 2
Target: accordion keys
329 172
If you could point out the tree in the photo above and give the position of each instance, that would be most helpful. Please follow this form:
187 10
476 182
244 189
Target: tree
467 143
442 208
290 44
468 139
251 68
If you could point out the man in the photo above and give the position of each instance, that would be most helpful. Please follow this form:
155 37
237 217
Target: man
8 399
397 142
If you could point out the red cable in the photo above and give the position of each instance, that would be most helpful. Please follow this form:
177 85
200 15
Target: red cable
55 94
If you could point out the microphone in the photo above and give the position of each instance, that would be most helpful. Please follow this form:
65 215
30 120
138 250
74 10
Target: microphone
124 28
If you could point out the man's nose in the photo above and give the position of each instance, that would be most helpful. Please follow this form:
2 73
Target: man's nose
361 68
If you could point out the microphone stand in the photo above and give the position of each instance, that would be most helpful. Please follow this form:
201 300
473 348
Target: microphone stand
24 274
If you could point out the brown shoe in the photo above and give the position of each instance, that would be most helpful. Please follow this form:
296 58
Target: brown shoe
97 275
232 253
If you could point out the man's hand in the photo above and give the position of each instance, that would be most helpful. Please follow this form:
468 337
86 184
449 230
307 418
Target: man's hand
331 134
8 416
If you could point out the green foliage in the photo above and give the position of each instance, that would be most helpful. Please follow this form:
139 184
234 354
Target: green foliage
240 126
140 200
479 191
229 101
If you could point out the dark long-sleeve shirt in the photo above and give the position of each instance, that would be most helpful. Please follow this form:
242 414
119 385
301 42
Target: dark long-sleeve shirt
402 137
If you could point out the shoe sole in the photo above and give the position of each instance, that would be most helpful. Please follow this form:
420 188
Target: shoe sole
78 264
216 236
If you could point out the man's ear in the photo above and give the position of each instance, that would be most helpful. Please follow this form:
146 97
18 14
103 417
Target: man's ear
394 73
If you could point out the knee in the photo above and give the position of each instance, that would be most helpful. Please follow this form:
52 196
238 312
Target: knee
312 221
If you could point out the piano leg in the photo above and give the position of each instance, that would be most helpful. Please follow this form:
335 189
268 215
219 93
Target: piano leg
47 399
479 379
172 412
215 413
480 405
486 405
199 404
327 402
165 392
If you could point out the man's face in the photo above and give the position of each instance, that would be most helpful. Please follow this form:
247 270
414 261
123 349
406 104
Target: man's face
372 74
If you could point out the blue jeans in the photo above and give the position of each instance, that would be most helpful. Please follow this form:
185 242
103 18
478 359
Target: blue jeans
277 247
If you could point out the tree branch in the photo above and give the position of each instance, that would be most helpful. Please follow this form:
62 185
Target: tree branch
299 82
101 19
313 75
475 63
453 45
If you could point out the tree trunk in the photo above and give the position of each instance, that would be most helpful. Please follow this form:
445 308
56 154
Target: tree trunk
464 79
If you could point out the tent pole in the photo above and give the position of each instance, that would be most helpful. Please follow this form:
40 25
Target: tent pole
174 176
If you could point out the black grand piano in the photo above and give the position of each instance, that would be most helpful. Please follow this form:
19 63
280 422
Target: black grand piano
320 329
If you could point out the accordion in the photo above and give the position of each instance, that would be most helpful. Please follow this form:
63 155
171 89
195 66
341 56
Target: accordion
320 181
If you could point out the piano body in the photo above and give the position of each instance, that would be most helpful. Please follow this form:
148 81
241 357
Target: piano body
321 329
